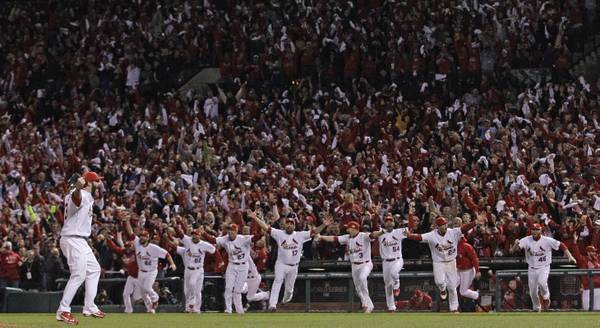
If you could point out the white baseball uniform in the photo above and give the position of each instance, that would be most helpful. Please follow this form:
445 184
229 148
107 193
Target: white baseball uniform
238 252
390 249
132 293
538 254
358 249
193 255
147 260
252 283
83 265
443 254
289 252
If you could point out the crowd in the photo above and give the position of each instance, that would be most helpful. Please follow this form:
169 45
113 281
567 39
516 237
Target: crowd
355 109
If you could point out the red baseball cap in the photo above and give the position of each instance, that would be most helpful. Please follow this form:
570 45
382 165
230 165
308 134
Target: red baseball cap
145 233
233 226
590 249
353 225
440 221
536 226
91 176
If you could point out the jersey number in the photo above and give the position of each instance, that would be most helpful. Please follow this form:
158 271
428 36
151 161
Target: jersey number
395 249
451 251
148 262
197 260
542 259
240 257
295 252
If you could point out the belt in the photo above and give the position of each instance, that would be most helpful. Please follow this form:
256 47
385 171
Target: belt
446 261
292 265
392 260
191 268
357 263
238 263
144 271
74 236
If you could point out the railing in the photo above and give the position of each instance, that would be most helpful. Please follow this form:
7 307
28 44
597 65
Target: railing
554 272
327 287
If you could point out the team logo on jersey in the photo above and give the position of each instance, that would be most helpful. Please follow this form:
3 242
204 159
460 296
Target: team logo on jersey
286 245
389 243
443 248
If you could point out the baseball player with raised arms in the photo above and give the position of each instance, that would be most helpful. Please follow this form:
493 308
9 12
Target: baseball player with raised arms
390 249
238 252
193 253
358 249
538 253
77 227
289 252
131 291
147 256
443 244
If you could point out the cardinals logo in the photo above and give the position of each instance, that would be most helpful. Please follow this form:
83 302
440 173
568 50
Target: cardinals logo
286 245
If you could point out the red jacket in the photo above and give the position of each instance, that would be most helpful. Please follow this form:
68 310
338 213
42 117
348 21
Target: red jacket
466 258
129 259
10 266
585 262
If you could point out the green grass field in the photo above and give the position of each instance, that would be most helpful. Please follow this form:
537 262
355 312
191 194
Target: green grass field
329 320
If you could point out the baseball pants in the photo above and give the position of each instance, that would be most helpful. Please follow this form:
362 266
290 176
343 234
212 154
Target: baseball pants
585 299
235 278
360 273
466 279
283 273
252 283
391 280
145 282
84 268
193 283
131 293
446 278
538 283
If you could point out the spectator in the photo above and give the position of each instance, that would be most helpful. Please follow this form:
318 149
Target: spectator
10 264
32 272
55 269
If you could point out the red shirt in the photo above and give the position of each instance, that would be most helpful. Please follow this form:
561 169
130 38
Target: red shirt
9 266
129 259
466 258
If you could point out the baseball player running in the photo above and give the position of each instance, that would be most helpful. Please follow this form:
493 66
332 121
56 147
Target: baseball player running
252 283
193 252
238 251
443 243
289 252
538 253
131 291
147 256
390 248
358 249
467 263
83 265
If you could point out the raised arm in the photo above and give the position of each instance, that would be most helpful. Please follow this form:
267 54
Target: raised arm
329 239
76 195
327 221
413 236
127 226
261 223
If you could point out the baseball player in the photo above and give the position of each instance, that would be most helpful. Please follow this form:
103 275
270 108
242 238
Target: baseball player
238 251
252 283
467 264
443 243
358 249
289 252
538 253
147 256
390 248
590 261
193 252
83 265
131 291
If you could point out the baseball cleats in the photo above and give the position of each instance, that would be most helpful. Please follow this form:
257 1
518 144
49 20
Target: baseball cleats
98 315
443 294
66 317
